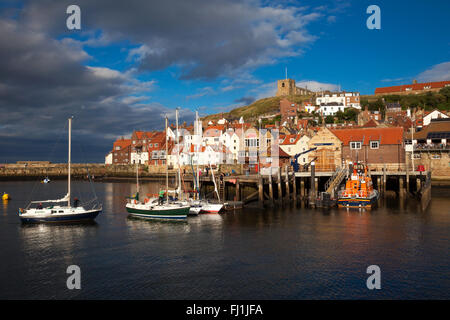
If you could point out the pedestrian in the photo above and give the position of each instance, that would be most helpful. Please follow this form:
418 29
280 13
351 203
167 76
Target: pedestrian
161 197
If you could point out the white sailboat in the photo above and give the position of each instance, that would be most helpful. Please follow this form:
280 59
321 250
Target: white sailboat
152 208
35 212
202 206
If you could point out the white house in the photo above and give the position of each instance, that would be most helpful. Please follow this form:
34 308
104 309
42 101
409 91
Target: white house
109 158
231 141
435 114
331 103
295 144
139 157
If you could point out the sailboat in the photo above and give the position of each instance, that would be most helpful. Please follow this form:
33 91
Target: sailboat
153 208
202 206
35 212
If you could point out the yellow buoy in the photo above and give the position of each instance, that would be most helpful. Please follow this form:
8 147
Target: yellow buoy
5 196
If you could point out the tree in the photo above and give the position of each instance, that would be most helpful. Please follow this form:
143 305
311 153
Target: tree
446 93
329 119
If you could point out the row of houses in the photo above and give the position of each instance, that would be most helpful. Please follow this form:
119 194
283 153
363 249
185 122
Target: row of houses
325 104
221 144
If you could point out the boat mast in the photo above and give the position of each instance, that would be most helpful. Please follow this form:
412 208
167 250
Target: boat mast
196 149
167 166
178 154
137 180
68 162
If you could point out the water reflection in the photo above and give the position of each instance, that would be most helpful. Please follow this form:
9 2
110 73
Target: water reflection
156 226
277 253
5 207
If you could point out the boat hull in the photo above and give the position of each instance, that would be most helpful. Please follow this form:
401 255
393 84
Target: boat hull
67 218
166 214
211 208
358 202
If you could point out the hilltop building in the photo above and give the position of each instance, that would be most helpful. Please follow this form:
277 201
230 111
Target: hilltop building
286 87
414 88
331 102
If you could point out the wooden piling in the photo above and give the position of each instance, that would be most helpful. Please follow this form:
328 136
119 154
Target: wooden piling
270 188
280 193
302 187
401 187
288 193
294 187
238 191
260 192
312 195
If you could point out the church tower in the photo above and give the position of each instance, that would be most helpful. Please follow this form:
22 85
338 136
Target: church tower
286 87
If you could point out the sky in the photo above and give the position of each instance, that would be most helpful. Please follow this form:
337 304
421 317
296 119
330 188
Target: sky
133 62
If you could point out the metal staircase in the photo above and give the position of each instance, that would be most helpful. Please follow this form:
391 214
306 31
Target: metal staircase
335 180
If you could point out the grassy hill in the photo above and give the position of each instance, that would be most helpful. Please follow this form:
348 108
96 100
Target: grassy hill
429 100
260 107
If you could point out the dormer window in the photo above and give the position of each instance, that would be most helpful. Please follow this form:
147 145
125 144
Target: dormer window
374 144
355 145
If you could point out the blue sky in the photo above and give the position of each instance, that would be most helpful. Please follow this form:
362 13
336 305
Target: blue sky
132 63
413 38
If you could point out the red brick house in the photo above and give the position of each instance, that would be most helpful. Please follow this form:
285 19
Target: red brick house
372 145
121 153
288 110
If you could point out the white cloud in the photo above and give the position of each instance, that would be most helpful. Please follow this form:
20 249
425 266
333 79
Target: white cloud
438 72
317 86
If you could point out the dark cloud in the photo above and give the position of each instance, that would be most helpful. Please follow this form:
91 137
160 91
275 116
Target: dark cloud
245 100
205 38
42 83
44 78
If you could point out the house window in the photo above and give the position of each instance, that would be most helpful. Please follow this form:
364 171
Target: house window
408 89
134 141
156 145
117 148
374 144
355 145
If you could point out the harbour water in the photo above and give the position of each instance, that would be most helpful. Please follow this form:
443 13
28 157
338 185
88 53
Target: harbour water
280 253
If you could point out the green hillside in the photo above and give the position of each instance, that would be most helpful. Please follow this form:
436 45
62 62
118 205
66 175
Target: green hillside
260 107
429 100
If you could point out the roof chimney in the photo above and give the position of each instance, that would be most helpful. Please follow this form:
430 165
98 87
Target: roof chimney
414 81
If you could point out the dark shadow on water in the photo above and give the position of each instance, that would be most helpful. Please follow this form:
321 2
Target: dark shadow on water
61 224
156 221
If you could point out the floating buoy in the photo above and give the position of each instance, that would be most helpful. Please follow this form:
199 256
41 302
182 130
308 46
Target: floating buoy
5 196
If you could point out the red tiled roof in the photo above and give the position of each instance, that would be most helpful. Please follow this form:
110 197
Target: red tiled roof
282 153
287 139
370 124
122 143
414 86
384 135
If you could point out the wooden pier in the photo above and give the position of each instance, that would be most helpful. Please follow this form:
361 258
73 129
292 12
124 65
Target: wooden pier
284 187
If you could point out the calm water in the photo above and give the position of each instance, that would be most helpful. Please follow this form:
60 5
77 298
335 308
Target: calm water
289 253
